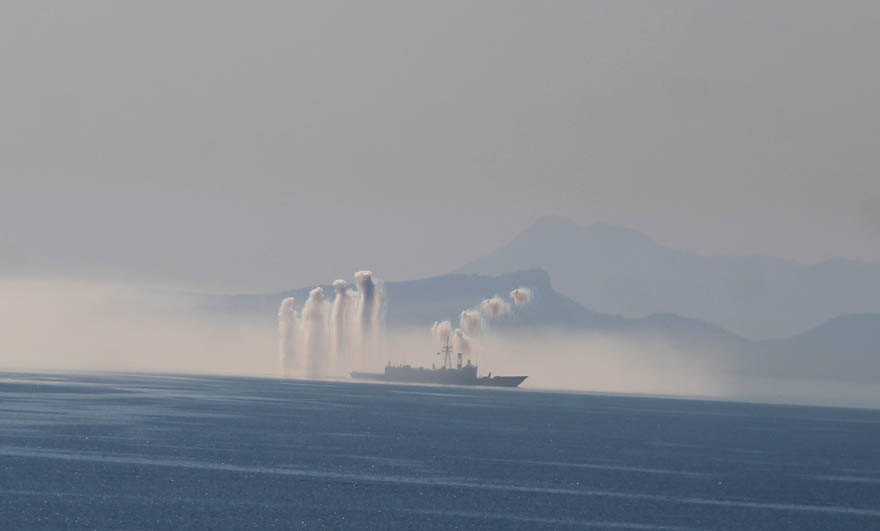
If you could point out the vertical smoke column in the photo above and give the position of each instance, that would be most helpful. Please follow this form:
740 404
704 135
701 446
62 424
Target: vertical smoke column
314 326
366 315
378 306
337 317
286 336
461 342
367 303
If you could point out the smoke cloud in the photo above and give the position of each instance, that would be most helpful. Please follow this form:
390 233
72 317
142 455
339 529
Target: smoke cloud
344 335
441 331
339 315
462 342
336 337
370 314
494 307
315 332
521 296
379 305
471 321
287 325
367 302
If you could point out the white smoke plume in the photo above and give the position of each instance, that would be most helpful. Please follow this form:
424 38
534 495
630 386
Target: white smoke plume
367 302
379 305
521 296
338 317
494 307
315 331
287 325
462 342
471 321
441 331
370 315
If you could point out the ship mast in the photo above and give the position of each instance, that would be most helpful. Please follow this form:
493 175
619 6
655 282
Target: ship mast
447 355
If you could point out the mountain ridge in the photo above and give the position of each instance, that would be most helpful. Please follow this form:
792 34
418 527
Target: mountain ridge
622 271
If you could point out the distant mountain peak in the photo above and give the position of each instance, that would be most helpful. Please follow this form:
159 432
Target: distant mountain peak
553 221
621 271
556 226
616 233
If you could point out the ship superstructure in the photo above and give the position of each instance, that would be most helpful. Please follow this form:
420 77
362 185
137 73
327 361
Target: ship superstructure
446 375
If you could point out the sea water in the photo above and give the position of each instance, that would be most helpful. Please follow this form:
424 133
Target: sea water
199 452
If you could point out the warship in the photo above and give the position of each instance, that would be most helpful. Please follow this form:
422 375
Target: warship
445 375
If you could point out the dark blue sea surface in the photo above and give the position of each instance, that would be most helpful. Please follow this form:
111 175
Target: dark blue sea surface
193 452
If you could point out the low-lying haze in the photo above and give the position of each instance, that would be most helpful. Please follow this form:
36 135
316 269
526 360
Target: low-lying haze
88 327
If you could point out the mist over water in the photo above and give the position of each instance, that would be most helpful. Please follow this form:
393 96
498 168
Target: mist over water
87 327
287 332
315 332
90 326
341 315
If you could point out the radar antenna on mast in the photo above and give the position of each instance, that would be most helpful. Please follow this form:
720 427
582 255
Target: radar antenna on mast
447 354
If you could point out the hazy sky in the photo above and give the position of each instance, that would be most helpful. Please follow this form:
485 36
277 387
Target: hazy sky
255 145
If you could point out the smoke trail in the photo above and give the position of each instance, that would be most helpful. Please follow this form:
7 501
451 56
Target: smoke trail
366 305
441 331
471 321
370 315
494 307
462 342
378 305
521 296
286 334
338 315
313 314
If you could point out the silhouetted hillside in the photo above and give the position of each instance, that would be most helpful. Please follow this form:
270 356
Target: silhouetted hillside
623 272
846 347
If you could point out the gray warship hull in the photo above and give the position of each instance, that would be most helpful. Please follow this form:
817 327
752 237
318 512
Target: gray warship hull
445 375
438 376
